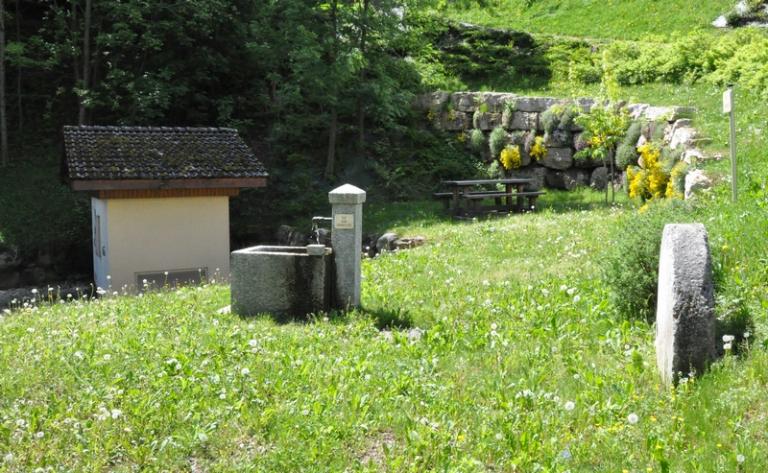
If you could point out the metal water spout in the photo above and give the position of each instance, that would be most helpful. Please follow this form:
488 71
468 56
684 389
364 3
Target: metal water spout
315 233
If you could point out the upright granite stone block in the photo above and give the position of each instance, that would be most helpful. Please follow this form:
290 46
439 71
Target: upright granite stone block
685 315
347 242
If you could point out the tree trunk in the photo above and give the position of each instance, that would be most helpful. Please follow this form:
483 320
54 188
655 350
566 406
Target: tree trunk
360 104
19 106
3 123
86 61
330 162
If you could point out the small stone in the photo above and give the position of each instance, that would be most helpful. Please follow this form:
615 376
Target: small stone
720 22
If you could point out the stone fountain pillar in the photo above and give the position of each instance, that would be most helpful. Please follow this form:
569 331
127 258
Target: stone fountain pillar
347 240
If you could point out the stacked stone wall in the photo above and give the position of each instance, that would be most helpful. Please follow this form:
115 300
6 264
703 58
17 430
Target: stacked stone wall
521 117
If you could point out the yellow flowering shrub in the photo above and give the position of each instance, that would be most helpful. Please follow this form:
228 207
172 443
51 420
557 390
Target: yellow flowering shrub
510 157
538 149
652 182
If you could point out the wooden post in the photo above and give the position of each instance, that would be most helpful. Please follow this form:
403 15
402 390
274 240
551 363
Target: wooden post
728 107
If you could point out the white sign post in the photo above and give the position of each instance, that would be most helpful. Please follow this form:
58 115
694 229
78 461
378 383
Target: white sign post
728 108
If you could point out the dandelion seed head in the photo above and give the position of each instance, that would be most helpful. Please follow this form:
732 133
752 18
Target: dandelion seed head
633 418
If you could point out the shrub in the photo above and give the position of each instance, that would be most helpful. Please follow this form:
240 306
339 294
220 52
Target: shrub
676 186
560 116
733 319
510 157
630 266
538 149
477 140
626 155
651 181
496 141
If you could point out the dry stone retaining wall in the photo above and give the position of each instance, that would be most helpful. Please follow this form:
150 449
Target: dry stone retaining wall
520 116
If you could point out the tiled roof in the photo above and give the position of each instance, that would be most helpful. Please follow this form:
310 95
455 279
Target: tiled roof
162 153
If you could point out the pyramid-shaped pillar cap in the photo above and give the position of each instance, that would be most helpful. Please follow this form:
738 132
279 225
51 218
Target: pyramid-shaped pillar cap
346 194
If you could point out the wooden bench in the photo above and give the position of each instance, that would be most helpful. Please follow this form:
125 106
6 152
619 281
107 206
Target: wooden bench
472 192
447 196
530 195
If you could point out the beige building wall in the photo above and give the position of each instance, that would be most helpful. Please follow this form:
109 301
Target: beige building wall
171 234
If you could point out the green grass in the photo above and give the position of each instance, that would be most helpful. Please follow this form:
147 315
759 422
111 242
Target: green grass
617 19
516 323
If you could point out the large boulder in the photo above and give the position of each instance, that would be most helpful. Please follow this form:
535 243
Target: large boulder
599 178
696 181
486 121
520 120
495 101
455 121
683 135
537 174
464 101
558 158
432 101
534 104
386 242
567 180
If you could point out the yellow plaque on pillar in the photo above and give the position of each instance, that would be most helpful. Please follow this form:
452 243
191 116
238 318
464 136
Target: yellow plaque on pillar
344 221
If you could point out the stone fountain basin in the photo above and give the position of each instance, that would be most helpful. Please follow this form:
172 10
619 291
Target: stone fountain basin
282 280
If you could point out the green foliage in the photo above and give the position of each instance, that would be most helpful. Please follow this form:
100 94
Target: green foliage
604 127
560 116
630 265
734 319
626 152
496 141
626 155
38 213
477 140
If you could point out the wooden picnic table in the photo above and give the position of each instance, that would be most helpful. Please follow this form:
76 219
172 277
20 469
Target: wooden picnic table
467 191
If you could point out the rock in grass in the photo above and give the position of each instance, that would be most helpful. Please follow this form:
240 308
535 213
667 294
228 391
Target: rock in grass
696 181
386 242
685 314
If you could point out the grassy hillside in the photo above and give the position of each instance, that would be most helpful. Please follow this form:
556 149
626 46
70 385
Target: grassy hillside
619 19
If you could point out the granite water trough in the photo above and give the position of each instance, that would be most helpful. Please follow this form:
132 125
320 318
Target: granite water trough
282 280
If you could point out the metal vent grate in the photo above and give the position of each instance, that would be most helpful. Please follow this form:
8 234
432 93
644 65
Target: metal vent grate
175 278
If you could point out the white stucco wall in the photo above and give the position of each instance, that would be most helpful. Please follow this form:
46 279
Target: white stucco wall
164 234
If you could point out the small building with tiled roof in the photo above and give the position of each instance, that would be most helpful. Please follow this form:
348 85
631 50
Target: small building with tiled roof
159 199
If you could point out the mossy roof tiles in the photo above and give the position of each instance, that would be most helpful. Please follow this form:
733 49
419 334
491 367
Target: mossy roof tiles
162 153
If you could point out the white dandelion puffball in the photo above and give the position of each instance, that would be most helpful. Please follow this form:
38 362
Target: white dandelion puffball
633 418
570 405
